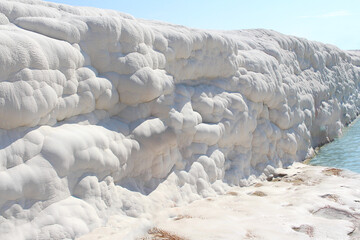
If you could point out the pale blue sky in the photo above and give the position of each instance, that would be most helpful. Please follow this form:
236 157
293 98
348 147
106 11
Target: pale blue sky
330 21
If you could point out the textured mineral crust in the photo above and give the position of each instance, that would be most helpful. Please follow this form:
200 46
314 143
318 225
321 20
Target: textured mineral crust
103 115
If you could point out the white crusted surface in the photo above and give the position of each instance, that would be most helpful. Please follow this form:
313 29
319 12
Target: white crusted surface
307 203
104 114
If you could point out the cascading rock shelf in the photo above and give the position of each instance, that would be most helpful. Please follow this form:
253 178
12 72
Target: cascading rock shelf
103 114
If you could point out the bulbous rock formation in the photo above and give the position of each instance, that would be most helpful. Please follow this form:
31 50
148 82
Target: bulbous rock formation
103 114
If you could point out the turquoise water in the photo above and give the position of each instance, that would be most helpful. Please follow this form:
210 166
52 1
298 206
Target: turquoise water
344 152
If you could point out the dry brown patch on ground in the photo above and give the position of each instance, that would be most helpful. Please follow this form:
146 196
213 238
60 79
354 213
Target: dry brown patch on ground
302 179
332 171
179 217
276 180
304 228
258 193
160 234
232 193
258 185
295 181
250 235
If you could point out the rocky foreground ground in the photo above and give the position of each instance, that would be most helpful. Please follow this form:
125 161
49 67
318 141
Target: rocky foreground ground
301 202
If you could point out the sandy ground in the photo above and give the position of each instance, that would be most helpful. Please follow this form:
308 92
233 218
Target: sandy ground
301 202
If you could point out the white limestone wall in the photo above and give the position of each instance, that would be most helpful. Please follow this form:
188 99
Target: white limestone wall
104 114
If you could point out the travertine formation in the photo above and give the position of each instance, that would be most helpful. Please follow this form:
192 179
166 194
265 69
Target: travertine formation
98 109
